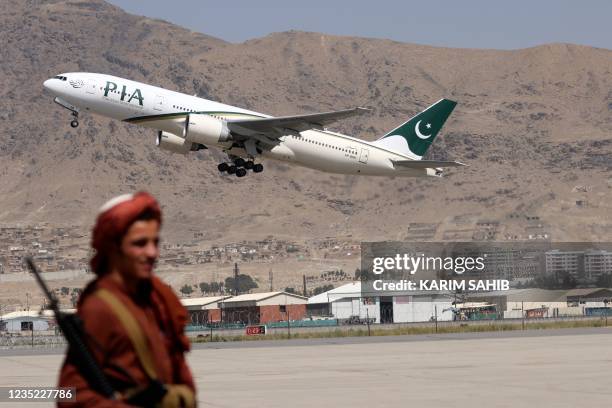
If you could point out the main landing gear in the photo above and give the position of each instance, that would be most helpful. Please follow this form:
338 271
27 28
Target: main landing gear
239 167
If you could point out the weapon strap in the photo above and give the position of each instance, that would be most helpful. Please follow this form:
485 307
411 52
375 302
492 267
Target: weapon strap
133 329
177 395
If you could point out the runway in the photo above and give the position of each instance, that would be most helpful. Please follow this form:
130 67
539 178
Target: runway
552 368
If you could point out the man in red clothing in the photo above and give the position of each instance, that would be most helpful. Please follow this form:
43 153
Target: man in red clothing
133 322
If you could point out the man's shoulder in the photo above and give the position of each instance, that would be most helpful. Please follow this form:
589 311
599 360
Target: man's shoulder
92 305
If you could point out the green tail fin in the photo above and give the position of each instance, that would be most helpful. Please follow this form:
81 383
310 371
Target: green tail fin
420 131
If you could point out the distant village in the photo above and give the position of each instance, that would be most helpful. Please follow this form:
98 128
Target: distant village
57 249
54 249
67 248
61 249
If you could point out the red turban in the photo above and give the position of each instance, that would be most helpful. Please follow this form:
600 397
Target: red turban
114 219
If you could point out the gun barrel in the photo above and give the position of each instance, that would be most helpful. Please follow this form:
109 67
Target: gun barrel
74 335
42 284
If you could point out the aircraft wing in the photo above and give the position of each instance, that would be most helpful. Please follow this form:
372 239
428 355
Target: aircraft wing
276 127
426 164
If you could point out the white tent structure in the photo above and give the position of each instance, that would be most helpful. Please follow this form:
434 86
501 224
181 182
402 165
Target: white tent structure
348 302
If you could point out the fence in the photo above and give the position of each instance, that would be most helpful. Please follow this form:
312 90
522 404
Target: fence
336 327
332 327
8 340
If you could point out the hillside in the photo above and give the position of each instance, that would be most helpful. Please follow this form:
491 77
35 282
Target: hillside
533 124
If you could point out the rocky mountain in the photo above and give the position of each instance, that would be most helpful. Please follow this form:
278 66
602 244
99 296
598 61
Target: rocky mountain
534 125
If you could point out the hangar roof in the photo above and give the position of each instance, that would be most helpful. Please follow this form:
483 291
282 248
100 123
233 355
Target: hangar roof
590 293
353 290
526 295
32 313
262 299
202 301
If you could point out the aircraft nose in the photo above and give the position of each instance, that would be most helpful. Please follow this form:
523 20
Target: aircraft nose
47 84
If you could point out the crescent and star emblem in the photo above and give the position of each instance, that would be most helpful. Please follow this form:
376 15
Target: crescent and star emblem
418 132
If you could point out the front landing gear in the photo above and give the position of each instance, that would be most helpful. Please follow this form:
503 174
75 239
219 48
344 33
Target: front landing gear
75 122
75 111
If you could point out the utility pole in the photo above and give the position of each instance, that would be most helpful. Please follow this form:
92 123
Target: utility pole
236 279
436 317
523 315
288 324
271 278
304 280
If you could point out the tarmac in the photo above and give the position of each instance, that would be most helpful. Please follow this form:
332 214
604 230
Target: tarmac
544 368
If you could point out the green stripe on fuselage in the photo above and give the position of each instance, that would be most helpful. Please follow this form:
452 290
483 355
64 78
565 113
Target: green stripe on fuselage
178 115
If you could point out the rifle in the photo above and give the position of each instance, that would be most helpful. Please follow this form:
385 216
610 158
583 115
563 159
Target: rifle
72 328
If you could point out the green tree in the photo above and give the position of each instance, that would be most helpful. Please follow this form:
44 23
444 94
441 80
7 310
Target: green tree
245 284
186 290
205 287
322 289
216 287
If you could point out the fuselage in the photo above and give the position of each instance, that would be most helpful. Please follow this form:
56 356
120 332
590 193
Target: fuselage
164 110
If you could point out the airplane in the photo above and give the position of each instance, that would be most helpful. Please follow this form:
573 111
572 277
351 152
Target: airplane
187 123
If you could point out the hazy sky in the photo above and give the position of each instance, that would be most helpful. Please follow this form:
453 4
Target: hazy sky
467 24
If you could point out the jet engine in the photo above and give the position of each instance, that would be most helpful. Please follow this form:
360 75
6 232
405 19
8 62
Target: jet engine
176 144
205 129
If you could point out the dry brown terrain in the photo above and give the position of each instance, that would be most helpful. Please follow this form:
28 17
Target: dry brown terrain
534 124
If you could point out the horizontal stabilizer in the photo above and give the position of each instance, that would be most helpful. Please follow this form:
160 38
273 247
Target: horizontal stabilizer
426 164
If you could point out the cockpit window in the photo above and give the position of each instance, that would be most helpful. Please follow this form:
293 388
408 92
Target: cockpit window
63 78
